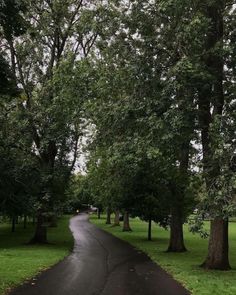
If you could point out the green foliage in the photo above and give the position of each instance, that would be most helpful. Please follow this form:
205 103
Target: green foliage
12 22
144 115
7 83
43 124
78 193
149 85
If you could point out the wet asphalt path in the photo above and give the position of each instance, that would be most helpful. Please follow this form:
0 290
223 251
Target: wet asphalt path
101 264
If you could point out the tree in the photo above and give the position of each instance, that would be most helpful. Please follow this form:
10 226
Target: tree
150 196
213 96
55 38
154 115
212 82
78 193
204 32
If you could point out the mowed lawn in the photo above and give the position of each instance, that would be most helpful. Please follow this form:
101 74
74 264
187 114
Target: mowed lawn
19 261
183 266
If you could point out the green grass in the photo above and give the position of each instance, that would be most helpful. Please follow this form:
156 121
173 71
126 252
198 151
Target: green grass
183 266
19 261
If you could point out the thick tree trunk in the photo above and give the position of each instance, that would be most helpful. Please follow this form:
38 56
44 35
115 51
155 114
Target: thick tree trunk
41 231
13 224
176 243
108 219
178 185
211 104
149 230
218 247
25 221
126 226
117 218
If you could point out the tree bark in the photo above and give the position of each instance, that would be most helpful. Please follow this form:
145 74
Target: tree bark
218 247
176 243
117 218
108 219
126 226
40 231
149 230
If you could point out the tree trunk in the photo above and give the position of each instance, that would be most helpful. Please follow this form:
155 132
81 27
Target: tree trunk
218 247
117 218
176 243
13 57
41 231
53 220
13 224
99 213
211 104
126 226
108 219
149 230
25 221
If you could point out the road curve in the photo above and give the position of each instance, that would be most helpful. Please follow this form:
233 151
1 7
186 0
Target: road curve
101 264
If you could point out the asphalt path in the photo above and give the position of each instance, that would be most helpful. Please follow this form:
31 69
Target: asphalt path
101 264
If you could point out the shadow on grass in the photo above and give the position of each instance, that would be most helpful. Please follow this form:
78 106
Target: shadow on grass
59 237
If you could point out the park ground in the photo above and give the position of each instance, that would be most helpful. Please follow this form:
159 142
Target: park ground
184 267
20 261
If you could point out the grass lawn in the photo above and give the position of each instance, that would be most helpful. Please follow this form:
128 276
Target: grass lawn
183 266
19 261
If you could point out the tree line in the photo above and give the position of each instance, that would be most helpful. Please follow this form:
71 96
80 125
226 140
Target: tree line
149 84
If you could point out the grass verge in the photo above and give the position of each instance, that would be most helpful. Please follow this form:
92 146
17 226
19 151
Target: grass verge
183 266
19 261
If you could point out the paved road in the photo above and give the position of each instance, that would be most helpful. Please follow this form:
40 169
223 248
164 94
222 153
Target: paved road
101 264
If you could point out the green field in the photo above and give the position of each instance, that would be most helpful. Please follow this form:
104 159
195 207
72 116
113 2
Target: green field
20 261
183 266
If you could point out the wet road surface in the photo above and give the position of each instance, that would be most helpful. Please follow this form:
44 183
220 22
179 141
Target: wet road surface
101 264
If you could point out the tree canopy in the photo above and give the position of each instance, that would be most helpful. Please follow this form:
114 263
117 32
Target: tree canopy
145 90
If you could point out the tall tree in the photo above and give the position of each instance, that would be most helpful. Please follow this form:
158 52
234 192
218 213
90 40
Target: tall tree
57 35
212 101
148 102
205 32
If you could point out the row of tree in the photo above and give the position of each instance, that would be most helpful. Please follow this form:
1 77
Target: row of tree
149 84
163 105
